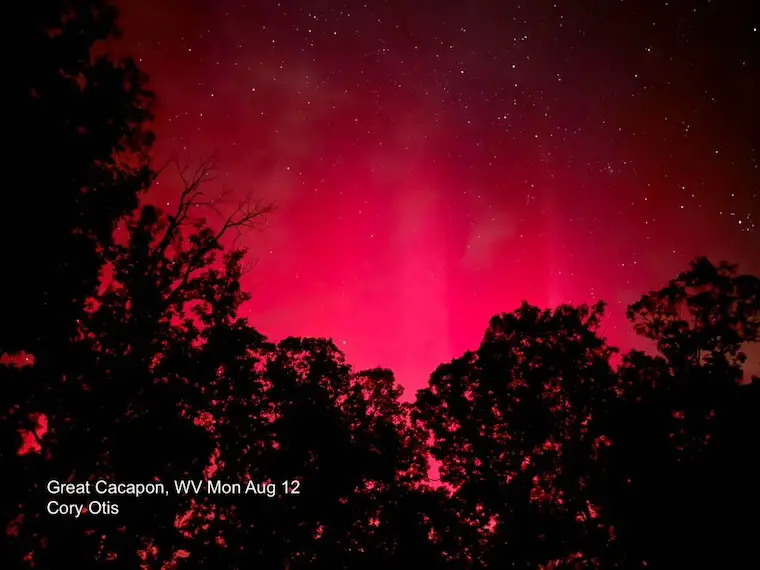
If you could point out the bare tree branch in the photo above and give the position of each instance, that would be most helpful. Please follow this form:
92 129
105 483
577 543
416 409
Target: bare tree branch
247 214
160 170
248 266
189 197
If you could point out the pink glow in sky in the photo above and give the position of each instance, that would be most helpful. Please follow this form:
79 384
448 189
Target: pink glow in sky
433 165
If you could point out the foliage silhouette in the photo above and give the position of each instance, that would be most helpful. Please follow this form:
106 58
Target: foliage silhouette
80 141
559 461
161 351
514 429
132 391
684 427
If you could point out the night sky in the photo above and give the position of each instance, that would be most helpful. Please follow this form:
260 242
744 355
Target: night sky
434 163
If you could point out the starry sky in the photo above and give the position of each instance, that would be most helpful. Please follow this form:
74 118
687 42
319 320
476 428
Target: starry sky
433 163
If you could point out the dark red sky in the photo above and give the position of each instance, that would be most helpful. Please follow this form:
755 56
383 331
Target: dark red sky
434 163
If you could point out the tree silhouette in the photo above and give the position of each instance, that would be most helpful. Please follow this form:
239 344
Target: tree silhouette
344 437
703 317
80 152
162 351
129 404
555 460
80 140
513 426
682 430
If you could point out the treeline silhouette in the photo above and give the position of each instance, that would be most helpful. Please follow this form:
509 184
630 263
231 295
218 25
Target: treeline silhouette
125 358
